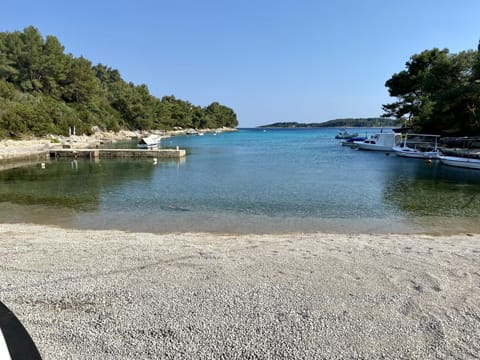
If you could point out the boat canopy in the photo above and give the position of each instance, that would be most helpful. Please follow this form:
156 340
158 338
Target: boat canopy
148 141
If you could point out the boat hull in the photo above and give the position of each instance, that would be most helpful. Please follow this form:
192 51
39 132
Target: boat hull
415 154
150 142
372 147
379 142
461 162
345 136
144 146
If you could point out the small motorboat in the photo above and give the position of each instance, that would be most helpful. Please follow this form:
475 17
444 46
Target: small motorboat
149 142
351 142
343 135
415 153
419 146
379 142
462 162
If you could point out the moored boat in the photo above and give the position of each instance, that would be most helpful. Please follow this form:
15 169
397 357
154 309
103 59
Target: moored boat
419 146
344 135
415 153
464 154
149 142
463 162
380 142
351 142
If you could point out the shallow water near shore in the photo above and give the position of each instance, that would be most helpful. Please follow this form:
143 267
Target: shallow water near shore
251 181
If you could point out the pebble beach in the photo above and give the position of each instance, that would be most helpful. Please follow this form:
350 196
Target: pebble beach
123 295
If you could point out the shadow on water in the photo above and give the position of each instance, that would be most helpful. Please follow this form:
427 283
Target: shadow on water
76 184
417 188
250 181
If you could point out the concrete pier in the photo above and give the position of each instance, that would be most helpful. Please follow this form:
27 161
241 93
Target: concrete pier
33 156
19 159
118 153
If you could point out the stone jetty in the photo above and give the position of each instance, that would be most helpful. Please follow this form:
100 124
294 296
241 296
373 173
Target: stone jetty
118 153
20 156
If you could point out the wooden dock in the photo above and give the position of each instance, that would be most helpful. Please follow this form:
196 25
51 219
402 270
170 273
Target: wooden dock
118 153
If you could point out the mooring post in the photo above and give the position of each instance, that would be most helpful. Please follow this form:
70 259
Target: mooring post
95 154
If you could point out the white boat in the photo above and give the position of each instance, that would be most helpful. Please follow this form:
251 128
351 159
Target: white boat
344 135
463 162
420 146
149 142
194 132
380 142
414 153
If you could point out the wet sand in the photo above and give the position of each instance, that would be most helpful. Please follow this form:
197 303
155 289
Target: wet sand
122 295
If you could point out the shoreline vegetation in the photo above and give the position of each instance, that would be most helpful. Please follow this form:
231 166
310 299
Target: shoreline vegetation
16 150
44 90
338 123
114 294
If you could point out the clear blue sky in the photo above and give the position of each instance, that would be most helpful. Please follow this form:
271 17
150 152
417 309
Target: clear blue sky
269 60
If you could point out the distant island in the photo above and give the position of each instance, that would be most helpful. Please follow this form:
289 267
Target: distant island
349 122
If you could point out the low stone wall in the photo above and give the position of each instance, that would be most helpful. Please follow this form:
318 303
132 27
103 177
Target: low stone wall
9 160
24 156
119 153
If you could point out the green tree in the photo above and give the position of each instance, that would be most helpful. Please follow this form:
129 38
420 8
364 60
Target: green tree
436 93
43 90
7 70
81 84
218 115
30 60
54 67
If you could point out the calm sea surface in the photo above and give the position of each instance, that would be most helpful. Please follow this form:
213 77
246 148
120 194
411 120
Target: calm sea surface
251 181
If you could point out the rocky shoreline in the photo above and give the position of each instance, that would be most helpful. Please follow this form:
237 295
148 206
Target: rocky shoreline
33 149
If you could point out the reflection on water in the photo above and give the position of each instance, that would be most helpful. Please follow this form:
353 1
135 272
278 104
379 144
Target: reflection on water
418 189
250 181
76 184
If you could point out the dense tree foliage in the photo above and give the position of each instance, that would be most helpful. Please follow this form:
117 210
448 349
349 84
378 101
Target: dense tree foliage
438 92
45 91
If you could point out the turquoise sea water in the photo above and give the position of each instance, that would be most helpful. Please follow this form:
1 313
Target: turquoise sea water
285 180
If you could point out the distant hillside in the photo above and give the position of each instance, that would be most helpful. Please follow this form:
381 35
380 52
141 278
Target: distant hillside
350 122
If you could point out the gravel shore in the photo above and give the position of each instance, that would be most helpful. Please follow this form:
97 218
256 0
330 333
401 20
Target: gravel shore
120 295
